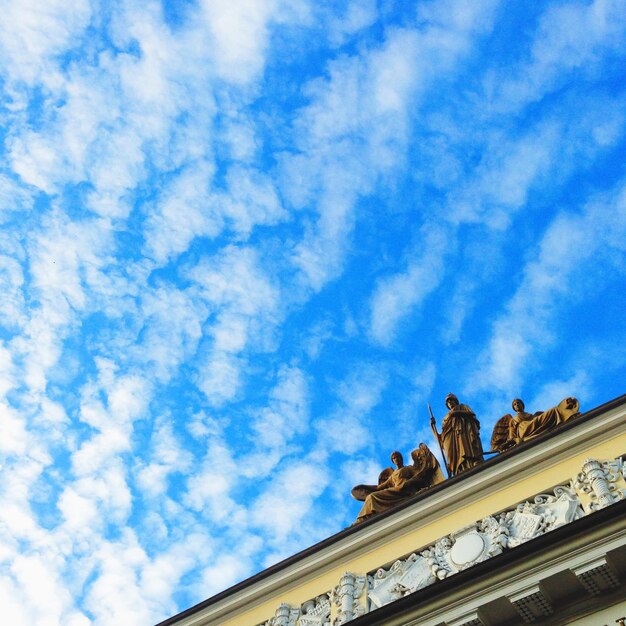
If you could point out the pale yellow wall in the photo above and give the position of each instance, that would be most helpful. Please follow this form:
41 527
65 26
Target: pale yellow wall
467 514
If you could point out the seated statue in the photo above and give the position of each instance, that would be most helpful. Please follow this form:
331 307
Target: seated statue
501 435
511 430
395 486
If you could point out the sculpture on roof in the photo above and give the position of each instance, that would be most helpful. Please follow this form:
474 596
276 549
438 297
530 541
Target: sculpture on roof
460 437
511 430
397 485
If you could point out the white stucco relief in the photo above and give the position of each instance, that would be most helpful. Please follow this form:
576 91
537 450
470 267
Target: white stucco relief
316 612
598 485
603 481
474 544
346 596
286 615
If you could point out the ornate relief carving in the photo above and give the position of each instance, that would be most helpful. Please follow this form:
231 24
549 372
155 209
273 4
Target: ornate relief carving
402 578
286 615
346 596
316 612
473 544
545 513
498 532
603 481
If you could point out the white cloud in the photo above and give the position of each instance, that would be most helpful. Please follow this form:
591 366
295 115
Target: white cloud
13 198
96 460
573 244
7 371
358 15
554 391
571 36
287 413
346 429
172 321
224 572
14 438
182 214
248 308
284 505
220 377
212 490
40 592
167 456
32 34
275 426
397 296
158 574
78 511
239 33
115 595
251 200
356 127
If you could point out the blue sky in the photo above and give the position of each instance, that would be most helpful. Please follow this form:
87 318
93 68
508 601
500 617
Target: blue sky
245 242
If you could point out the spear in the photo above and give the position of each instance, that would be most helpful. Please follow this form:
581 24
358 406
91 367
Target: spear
433 425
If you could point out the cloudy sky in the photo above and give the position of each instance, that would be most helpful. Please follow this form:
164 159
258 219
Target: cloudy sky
245 242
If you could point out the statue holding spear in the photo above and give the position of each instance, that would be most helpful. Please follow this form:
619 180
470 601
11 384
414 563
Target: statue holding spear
433 425
460 437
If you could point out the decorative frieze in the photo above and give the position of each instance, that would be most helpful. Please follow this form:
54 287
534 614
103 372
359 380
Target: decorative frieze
316 612
598 485
545 513
286 615
603 481
474 544
402 578
346 596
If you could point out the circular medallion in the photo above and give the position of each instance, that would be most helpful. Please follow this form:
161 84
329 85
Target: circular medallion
467 548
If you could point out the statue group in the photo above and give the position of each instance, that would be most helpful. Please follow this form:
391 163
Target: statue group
461 449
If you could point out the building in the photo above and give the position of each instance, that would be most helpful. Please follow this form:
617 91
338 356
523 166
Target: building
534 535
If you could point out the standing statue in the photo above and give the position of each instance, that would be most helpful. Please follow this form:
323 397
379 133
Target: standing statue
402 483
460 437
511 430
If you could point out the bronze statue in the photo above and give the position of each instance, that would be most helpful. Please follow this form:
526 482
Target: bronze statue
501 435
396 486
511 430
460 437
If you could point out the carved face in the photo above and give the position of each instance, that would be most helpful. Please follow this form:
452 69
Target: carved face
518 405
396 459
452 402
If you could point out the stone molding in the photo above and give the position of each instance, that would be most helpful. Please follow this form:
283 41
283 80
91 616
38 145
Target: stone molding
532 604
469 619
599 484
597 577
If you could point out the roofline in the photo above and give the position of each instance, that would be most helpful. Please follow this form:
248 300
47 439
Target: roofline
346 532
495 565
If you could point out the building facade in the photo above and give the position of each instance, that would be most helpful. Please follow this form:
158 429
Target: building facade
536 535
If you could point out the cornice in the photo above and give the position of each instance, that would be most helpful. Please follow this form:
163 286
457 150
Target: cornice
563 549
571 440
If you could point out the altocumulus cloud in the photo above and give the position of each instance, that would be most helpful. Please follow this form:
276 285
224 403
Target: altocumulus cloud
243 243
